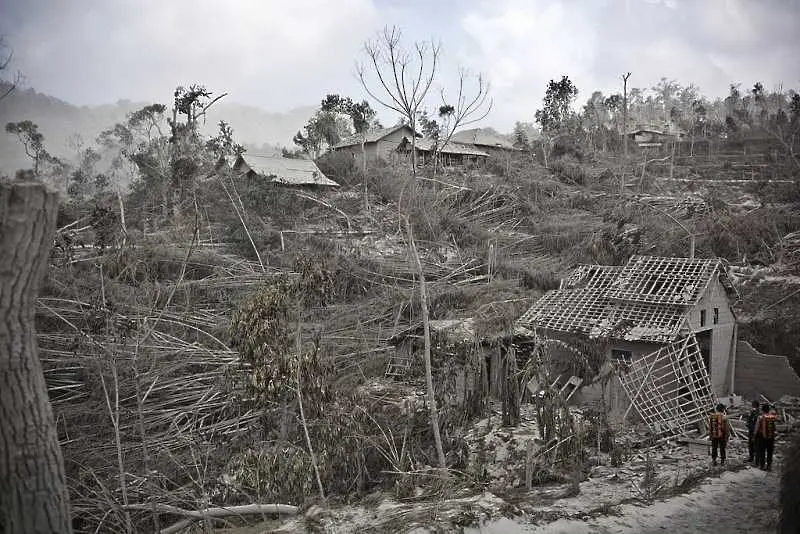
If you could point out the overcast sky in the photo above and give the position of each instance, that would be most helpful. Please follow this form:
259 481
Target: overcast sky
281 54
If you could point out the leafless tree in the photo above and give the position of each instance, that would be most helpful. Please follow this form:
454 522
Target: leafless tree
6 54
471 105
404 75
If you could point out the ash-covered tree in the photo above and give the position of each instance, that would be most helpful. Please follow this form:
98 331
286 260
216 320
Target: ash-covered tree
166 150
84 180
32 141
428 126
556 116
521 139
596 118
223 144
7 85
140 150
284 369
323 130
363 117
401 75
361 114
470 104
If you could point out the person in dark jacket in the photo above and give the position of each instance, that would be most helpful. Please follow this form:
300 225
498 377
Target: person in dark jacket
752 419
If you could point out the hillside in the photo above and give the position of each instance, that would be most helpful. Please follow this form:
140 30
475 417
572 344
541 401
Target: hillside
211 338
216 314
60 121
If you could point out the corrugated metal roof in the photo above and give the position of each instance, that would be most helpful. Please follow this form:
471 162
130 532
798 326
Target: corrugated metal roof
479 137
426 145
283 170
372 136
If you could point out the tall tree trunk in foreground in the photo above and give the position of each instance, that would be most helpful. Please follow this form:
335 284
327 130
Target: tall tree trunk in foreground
33 488
423 297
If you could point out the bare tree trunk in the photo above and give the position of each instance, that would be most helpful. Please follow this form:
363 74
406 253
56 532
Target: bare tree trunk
364 170
33 486
625 111
423 297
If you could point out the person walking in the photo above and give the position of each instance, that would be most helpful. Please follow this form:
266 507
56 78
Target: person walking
752 419
765 437
718 432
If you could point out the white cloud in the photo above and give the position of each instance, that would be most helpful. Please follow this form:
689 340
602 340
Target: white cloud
279 54
521 45
263 51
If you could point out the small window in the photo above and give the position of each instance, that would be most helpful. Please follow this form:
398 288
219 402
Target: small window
716 315
621 356
702 318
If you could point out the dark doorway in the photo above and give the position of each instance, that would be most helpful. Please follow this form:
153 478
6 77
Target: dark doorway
704 342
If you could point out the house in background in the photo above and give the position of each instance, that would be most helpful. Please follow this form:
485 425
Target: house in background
282 171
653 137
378 144
484 140
451 154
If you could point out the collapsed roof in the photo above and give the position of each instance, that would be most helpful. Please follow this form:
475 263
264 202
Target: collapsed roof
285 171
647 299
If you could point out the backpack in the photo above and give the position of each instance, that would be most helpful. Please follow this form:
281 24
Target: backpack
717 426
768 430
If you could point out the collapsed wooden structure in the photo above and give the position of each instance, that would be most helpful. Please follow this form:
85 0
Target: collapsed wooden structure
666 328
669 388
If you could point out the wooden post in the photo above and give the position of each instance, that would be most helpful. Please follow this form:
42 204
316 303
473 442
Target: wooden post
529 465
33 486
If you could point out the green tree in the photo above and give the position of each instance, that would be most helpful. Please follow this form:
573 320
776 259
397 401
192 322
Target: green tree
556 118
556 114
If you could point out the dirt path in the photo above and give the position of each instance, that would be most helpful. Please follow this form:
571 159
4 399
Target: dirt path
745 501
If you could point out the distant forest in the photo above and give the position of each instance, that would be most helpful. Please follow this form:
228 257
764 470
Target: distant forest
67 127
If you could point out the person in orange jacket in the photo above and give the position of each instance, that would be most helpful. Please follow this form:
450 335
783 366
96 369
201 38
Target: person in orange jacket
718 431
765 437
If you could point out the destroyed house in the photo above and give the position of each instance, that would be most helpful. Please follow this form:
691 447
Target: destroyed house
668 323
447 154
282 171
467 367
